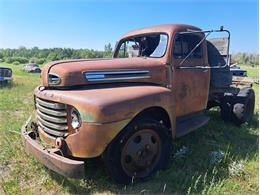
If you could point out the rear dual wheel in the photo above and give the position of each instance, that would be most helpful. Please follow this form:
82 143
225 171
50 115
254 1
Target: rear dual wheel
141 149
238 109
243 108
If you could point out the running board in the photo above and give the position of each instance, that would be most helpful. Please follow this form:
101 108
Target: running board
187 124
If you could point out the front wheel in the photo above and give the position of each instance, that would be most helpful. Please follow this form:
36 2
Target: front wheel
141 149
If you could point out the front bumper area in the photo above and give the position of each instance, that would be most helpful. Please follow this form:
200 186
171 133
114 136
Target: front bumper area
51 158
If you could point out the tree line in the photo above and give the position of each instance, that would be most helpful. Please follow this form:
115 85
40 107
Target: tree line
251 59
24 55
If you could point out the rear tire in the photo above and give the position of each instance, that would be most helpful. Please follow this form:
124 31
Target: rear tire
244 104
141 149
238 109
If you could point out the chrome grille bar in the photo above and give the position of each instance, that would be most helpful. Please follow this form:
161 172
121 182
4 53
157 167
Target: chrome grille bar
51 112
50 104
53 132
52 117
52 125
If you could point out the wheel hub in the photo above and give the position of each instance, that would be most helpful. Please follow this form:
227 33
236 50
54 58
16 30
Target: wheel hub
141 153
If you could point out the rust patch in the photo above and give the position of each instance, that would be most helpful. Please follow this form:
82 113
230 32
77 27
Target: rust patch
183 91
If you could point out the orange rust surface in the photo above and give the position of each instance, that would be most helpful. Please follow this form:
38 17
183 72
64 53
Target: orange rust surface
107 104
51 158
91 139
72 73
71 70
110 108
191 85
164 28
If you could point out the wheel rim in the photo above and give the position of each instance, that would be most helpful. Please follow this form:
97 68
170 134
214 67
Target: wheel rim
141 153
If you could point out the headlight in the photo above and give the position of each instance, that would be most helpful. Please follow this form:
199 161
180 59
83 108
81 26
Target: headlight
53 79
75 118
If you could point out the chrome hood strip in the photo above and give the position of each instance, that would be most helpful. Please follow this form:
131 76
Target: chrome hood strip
114 75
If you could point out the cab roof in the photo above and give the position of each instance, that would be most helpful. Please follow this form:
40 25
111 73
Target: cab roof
163 28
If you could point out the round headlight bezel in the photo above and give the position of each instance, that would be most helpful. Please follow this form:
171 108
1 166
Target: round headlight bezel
75 118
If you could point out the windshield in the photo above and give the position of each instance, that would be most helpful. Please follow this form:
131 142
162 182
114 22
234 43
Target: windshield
140 46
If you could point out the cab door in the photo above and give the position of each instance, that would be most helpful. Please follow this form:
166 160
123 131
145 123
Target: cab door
190 84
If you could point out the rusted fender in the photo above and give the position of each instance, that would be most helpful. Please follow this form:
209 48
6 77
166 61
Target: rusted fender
89 141
51 158
112 103
105 111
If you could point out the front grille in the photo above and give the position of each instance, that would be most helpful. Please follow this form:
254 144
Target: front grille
4 72
52 117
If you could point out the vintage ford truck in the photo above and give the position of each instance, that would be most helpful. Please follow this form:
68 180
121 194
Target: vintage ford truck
127 109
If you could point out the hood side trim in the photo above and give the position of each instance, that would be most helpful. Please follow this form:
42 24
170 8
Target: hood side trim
120 75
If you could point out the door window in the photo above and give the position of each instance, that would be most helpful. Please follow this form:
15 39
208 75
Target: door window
184 44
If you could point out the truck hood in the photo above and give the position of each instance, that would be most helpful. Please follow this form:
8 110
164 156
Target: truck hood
94 71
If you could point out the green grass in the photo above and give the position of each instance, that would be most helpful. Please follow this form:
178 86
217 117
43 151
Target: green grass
193 172
251 71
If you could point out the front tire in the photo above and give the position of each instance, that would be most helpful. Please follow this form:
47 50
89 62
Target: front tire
141 149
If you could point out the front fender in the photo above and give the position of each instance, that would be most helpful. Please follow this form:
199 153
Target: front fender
103 105
106 111
126 103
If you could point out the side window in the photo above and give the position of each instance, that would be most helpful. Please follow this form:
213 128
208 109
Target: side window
128 49
184 44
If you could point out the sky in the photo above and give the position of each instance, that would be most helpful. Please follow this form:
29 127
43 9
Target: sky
92 24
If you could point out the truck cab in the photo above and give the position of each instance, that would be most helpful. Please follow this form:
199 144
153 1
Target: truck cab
127 109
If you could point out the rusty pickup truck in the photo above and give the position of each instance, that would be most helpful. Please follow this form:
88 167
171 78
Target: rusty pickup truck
127 109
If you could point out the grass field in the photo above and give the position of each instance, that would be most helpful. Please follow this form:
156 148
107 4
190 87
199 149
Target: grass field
219 158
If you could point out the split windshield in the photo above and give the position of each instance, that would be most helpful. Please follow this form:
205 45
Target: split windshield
143 46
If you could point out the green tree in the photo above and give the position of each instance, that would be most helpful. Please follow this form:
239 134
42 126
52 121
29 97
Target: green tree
108 50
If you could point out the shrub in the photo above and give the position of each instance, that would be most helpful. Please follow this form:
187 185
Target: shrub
21 60
8 60
37 60
16 63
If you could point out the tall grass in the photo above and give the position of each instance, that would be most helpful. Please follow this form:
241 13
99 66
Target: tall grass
219 158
